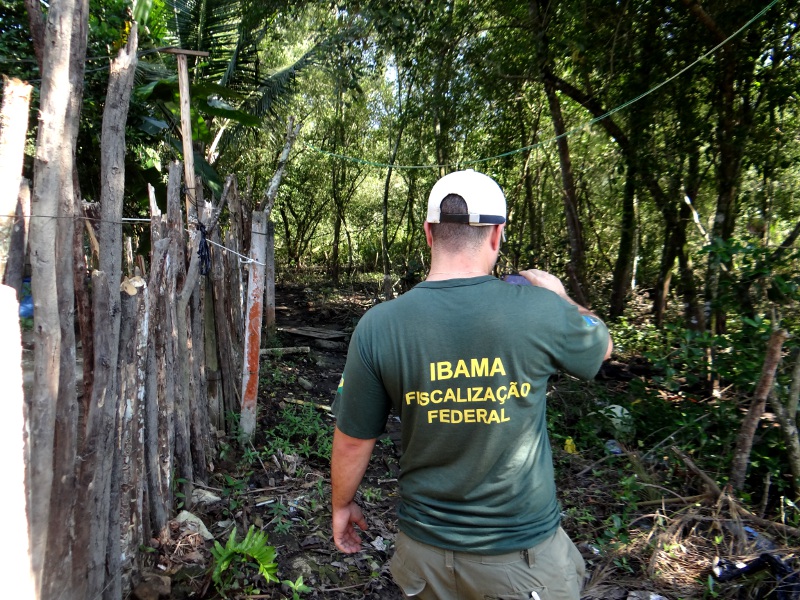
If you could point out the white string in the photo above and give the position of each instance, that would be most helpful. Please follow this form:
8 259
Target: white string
245 260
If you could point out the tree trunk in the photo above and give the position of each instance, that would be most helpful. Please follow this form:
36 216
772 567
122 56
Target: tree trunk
577 246
186 282
233 306
621 283
270 327
787 416
52 166
59 552
744 441
93 504
160 386
129 461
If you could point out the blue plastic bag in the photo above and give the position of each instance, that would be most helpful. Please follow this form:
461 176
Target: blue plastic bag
26 302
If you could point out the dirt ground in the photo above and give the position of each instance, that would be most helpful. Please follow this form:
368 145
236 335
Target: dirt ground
665 551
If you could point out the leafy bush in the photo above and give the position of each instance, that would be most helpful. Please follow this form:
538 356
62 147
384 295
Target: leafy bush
301 430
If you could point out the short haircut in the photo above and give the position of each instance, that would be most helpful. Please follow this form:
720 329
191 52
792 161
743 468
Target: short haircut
453 237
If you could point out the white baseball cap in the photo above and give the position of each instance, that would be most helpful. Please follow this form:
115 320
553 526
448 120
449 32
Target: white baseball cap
486 203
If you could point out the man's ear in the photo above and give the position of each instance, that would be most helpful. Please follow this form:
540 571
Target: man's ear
428 237
496 238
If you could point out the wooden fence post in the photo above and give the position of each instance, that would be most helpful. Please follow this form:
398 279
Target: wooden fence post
252 331
160 387
13 128
269 303
255 292
18 246
16 560
186 127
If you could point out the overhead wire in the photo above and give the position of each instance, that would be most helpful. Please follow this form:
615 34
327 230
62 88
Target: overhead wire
568 133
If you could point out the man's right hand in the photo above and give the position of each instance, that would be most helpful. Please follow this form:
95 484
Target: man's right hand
345 536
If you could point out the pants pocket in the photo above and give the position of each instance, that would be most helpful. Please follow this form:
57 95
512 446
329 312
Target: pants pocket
410 582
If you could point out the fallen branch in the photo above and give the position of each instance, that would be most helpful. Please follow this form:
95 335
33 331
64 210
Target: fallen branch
287 350
324 407
744 441
713 488
684 500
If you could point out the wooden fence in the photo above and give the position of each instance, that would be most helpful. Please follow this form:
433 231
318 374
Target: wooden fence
162 336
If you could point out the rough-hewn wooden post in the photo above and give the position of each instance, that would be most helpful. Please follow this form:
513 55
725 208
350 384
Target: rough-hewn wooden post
18 245
255 290
13 128
182 433
186 127
252 331
232 327
17 559
93 505
128 475
160 387
51 167
269 298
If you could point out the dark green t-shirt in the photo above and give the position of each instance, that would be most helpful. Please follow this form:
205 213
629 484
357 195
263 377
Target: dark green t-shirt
464 364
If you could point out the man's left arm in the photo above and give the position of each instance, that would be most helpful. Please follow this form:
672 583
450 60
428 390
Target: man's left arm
349 460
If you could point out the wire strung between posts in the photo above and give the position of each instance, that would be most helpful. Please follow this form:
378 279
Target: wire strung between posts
244 260
572 131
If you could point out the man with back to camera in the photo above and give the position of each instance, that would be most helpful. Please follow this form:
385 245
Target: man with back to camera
463 359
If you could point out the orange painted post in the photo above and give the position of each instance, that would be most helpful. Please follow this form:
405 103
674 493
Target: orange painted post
252 331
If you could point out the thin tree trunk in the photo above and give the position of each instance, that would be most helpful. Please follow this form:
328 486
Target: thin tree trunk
38 33
270 326
186 281
214 377
576 267
747 431
93 504
52 167
159 399
129 453
60 567
787 415
623 268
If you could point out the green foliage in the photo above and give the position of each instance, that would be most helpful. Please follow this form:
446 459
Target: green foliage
297 587
234 561
301 430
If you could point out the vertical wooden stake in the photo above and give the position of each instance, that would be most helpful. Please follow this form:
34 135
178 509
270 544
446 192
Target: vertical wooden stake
186 127
269 301
255 290
252 331
186 134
